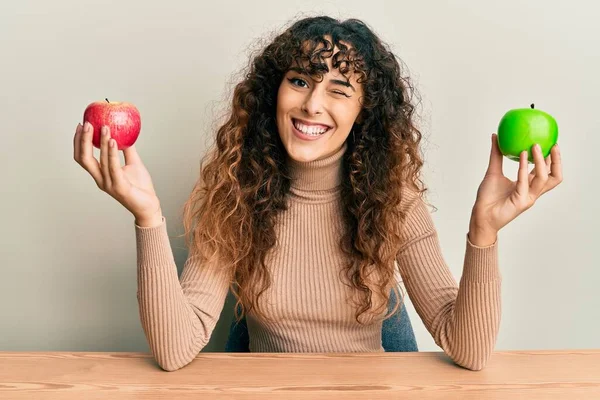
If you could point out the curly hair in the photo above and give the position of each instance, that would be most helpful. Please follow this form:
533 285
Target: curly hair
230 215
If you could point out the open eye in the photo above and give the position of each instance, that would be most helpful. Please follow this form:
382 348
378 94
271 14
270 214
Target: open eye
293 80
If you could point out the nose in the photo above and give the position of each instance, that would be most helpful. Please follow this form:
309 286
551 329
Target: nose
313 103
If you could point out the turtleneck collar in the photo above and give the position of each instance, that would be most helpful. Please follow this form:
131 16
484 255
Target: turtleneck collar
318 175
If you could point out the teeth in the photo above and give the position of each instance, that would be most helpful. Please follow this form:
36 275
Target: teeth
309 130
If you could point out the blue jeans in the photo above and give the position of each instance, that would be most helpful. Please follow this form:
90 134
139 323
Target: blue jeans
396 334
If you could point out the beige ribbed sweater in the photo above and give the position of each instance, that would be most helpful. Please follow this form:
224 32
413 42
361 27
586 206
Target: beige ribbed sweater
307 302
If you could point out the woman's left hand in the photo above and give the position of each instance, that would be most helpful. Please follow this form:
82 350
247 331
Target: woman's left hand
500 200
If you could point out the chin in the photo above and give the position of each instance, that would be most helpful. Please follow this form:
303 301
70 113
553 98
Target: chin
303 155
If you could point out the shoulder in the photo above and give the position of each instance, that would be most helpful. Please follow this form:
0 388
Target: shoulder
415 212
411 199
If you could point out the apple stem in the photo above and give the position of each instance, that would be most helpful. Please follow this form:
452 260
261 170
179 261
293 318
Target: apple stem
109 101
532 105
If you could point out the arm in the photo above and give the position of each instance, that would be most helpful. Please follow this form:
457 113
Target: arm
463 320
177 317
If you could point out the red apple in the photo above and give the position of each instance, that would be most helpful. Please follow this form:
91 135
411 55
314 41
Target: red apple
122 118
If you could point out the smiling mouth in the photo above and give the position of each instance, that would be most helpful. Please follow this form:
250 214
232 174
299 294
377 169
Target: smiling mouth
310 130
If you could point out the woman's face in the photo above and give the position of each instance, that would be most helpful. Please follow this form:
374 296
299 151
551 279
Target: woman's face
314 118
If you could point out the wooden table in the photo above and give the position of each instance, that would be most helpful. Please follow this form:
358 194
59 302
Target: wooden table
553 374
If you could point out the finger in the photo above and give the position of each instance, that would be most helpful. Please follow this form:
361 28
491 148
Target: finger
131 156
495 163
104 137
548 167
541 173
88 161
556 167
77 143
119 183
522 182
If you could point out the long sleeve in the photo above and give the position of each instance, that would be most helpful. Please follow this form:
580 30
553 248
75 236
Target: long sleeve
463 320
178 317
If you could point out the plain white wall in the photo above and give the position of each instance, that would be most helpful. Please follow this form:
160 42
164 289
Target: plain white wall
68 254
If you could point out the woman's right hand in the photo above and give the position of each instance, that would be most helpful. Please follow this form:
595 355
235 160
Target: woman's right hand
131 185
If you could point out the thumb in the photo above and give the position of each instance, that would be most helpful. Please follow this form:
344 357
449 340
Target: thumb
495 165
131 156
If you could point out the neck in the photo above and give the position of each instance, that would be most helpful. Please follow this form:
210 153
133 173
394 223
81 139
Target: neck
317 175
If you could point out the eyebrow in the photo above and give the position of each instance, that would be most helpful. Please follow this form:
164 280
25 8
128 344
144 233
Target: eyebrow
337 81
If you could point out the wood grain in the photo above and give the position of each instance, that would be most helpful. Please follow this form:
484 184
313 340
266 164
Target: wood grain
547 375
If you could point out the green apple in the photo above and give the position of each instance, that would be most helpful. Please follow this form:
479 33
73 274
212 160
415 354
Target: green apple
521 128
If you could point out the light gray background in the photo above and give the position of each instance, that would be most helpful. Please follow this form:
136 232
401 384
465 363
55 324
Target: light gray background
68 253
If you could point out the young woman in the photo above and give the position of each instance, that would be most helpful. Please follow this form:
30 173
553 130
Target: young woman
309 203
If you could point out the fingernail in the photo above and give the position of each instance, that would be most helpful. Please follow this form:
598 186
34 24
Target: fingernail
87 126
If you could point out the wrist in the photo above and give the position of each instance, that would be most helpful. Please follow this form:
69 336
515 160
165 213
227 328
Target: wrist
481 234
149 221
482 237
